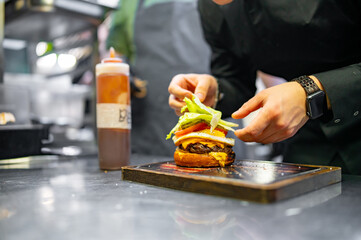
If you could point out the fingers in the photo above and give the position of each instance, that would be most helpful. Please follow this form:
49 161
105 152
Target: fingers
279 132
250 106
268 135
184 85
269 127
275 138
180 87
255 130
201 89
281 116
176 104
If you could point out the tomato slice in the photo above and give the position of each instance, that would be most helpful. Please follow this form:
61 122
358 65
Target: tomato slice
195 128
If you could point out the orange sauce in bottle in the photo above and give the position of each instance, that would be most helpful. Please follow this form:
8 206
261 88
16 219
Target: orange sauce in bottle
113 113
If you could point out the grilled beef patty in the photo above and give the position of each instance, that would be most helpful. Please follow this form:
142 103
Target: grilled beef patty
204 148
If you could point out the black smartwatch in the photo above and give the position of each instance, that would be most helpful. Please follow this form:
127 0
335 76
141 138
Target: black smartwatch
316 98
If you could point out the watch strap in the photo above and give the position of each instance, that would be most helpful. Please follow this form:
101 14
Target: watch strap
308 84
316 104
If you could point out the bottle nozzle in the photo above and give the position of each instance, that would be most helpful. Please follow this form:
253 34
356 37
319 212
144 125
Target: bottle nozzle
112 52
112 57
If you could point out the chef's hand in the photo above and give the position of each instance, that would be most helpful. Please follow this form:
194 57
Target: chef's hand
282 114
204 86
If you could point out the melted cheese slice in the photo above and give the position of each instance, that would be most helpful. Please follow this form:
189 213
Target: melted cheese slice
221 157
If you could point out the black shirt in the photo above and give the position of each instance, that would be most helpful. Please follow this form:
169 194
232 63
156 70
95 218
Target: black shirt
289 39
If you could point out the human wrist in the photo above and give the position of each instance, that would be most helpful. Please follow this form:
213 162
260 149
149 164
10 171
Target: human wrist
315 100
319 84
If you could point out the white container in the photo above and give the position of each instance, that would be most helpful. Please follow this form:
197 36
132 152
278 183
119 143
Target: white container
64 107
54 101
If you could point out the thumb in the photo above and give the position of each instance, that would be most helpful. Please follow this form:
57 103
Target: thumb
250 106
201 90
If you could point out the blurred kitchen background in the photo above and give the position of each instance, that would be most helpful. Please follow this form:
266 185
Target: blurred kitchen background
50 48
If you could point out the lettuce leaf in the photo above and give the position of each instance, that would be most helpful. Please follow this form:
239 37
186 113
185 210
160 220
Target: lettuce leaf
196 106
198 112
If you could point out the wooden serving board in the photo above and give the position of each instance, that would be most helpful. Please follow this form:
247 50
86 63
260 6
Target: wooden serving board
250 180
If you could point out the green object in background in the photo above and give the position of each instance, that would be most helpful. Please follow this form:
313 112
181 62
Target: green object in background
2 17
121 33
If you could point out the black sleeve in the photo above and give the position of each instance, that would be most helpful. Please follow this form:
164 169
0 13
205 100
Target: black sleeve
233 69
343 88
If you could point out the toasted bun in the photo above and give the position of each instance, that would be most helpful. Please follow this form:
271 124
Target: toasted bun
187 159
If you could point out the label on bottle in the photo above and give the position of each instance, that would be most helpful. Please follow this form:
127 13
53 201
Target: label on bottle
113 115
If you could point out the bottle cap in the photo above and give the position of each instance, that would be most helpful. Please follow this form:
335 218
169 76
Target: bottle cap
112 65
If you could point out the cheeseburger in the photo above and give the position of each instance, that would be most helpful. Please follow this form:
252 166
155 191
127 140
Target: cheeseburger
200 137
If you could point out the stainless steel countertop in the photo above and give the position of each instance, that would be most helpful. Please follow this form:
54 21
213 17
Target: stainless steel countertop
72 199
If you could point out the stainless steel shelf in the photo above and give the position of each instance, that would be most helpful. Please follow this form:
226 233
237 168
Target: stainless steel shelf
46 20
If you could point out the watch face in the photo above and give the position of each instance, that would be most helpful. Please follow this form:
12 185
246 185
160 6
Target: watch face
315 103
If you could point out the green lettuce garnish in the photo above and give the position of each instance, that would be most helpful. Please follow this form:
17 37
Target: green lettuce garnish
198 112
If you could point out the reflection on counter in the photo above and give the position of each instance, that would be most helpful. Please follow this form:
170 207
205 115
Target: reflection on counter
76 200
216 221
31 162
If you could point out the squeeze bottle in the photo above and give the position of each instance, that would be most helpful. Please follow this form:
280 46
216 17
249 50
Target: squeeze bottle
113 112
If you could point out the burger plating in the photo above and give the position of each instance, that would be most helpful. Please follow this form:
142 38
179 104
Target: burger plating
200 135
